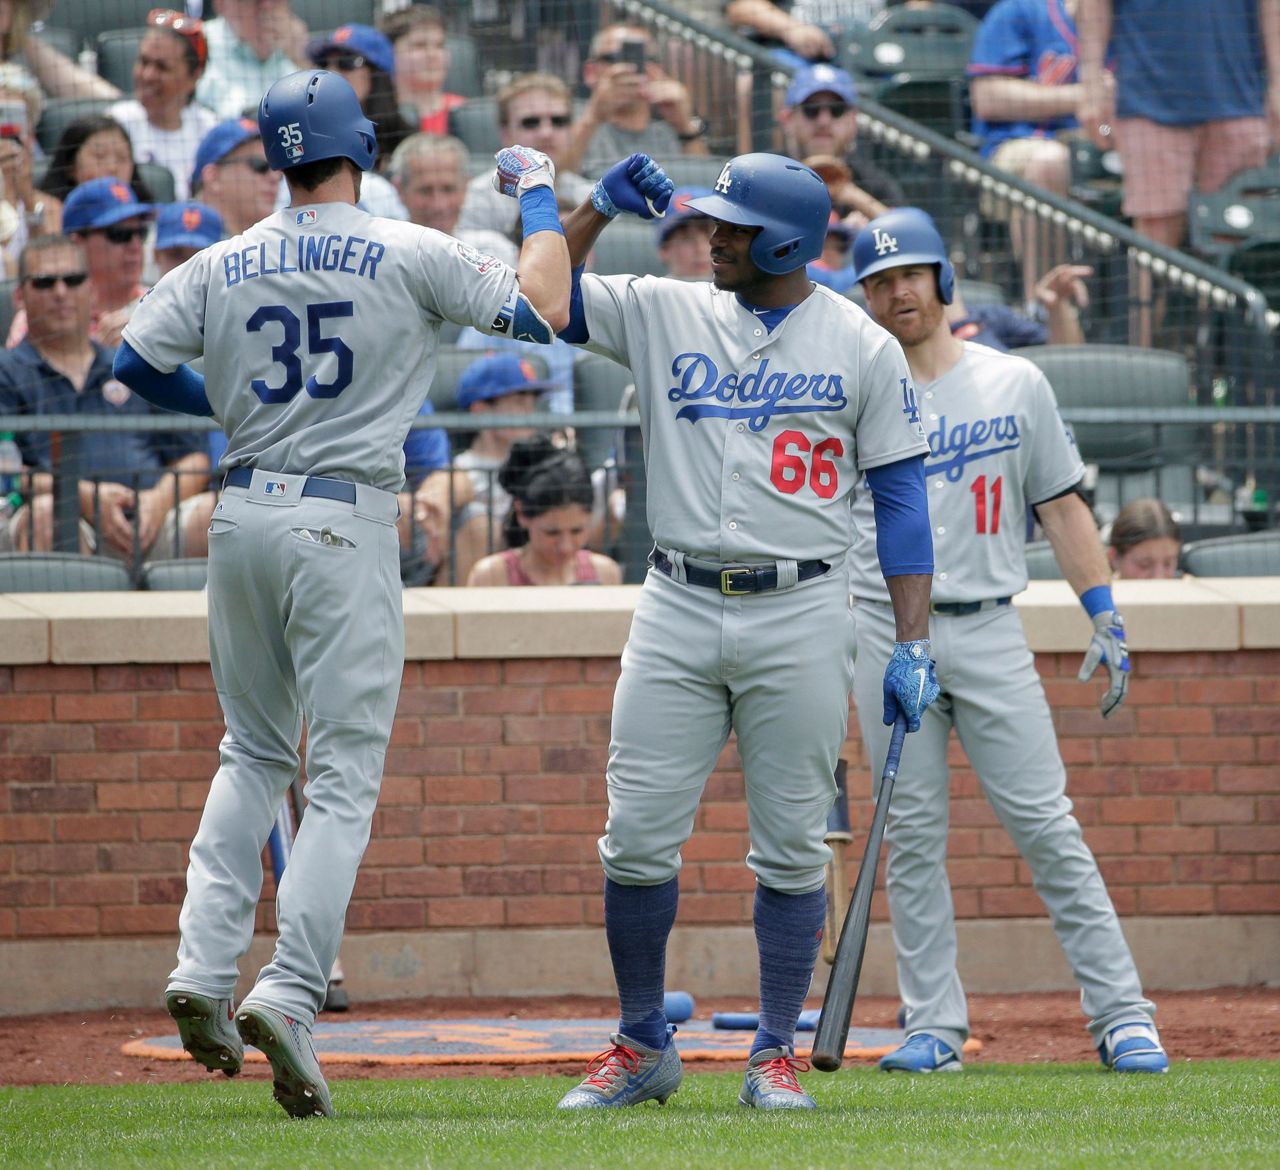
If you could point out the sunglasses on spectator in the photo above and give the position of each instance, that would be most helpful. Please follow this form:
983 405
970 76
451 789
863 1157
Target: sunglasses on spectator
343 62
615 58
812 110
259 166
123 235
189 28
44 283
533 121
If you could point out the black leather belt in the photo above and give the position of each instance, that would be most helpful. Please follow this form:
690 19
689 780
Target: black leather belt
961 608
732 580
315 485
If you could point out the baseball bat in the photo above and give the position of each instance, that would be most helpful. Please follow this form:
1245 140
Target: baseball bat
839 836
842 986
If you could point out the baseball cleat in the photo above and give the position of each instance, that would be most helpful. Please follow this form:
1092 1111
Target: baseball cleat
207 1031
299 1084
627 1074
922 1053
771 1082
1133 1047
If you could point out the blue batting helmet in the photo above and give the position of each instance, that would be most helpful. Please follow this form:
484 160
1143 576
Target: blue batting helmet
905 235
312 115
786 200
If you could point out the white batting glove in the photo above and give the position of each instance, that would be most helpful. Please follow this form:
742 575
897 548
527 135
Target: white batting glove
1107 646
520 169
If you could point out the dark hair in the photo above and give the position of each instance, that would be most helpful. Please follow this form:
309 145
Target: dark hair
382 108
394 25
1139 520
540 476
310 175
39 244
59 181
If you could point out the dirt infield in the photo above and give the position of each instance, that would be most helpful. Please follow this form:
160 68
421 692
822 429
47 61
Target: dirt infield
84 1047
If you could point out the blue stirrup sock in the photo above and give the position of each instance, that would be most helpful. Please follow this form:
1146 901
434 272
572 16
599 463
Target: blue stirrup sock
637 921
788 933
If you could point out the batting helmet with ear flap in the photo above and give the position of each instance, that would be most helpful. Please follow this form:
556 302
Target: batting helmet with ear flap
786 200
312 115
903 236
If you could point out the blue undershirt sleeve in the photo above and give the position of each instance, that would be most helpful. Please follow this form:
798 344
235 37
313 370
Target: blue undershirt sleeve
576 331
904 542
181 391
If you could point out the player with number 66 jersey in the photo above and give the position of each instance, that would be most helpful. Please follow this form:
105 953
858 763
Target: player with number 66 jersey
762 400
319 327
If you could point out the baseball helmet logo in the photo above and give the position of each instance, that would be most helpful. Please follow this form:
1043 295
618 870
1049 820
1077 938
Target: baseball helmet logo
725 181
884 242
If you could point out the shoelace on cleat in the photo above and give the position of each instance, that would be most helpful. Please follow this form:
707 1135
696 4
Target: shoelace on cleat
780 1073
605 1067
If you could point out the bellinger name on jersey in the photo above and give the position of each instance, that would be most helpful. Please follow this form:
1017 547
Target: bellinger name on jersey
304 253
761 393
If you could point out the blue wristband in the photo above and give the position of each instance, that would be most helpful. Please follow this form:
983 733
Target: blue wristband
538 211
1097 600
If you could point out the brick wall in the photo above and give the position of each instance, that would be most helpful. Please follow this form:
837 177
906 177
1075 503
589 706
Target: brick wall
493 798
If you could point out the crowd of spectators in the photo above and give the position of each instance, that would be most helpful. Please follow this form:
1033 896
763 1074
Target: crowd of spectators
1189 94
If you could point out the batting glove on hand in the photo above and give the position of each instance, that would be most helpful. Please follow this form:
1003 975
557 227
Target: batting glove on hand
520 169
910 684
1108 645
636 185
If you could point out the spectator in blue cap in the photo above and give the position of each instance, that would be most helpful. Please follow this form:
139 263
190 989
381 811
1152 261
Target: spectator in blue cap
232 175
684 237
364 56
463 513
820 117
107 220
182 229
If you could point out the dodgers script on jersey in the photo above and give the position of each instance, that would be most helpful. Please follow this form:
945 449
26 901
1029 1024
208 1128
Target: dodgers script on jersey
303 296
754 440
996 444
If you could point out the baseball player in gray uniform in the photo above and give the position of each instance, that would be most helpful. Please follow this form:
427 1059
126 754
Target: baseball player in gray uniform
996 446
761 398
319 327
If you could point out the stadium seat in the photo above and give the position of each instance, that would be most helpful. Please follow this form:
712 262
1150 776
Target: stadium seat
1256 554
464 76
85 19
34 572
1246 208
1042 564
939 103
1097 177
599 383
450 362
475 122
59 113
981 292
920 42
628 245
117 49
181 573
67 42
319 15
159 181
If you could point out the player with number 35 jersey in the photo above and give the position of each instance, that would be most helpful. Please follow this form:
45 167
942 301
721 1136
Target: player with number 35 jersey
319 328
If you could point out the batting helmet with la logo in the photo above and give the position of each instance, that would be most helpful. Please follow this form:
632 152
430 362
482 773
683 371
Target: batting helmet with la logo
900 238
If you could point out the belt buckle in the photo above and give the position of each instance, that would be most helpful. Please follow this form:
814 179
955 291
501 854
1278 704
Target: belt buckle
726 582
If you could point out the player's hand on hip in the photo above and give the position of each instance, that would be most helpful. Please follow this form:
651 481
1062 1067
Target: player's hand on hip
520 169
910 683
636 185
1108 646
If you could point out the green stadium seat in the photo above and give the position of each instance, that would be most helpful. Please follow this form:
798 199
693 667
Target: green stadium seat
599 383
117 49
475 123
59 113
1256 554
181 573
85 19
628 245
35 572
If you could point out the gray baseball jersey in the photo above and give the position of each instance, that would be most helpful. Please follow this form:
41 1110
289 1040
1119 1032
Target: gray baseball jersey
996 445
320 327
310 383
753 441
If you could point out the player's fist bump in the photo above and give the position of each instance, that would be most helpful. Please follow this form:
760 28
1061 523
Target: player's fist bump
520 169
636 185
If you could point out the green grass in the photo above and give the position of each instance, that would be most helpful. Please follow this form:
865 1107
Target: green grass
1216 1115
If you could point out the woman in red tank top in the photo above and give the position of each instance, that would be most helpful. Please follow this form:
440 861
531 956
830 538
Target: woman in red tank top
546 529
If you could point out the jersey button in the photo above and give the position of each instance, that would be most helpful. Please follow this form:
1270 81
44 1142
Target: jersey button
928 393
741 427
937 483
942 576
733 524
942 530
755 357
759 332
933 418
735 477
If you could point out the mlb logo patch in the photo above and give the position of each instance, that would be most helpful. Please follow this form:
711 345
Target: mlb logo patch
294 152
274 487
306 218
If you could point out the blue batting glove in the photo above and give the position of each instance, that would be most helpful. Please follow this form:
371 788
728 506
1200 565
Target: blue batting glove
1108 647
520 169
636 185
910 683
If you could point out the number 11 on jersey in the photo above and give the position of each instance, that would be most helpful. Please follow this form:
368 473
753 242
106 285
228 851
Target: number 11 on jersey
983 511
